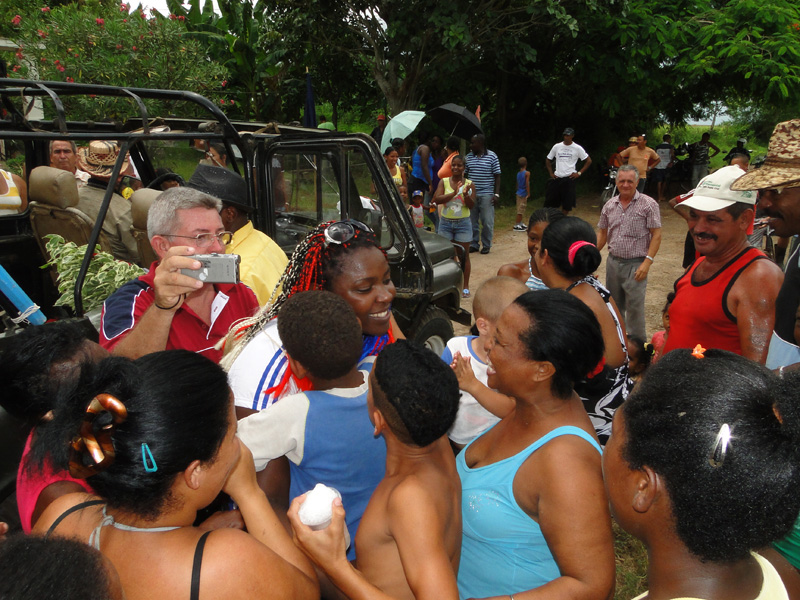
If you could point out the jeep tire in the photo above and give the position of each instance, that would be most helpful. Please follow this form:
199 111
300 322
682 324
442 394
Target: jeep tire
434 330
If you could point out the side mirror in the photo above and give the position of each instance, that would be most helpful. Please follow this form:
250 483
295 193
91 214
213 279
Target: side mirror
378 222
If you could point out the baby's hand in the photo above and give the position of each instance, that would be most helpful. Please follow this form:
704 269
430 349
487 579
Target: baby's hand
462 367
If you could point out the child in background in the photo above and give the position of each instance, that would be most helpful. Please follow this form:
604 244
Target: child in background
416 210
640 355
523 192
325 433
480 407
409 542
659 338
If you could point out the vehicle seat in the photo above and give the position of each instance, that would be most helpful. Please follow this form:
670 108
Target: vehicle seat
52 198
140 205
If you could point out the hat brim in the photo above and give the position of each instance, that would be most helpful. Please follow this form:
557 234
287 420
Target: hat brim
766 177
100 171
705 203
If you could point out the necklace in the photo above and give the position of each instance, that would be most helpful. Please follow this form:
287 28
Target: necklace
94 538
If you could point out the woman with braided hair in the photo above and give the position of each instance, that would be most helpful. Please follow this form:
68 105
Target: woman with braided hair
156 440
342 257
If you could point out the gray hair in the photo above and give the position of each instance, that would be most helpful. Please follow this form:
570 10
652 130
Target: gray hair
70 142
628 168
162 216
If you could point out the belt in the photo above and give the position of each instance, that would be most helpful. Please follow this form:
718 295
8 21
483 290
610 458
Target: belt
627 260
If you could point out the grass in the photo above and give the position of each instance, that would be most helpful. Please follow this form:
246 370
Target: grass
630 557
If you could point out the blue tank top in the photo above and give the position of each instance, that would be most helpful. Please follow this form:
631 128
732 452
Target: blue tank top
503 550
416 165
522 188
340 451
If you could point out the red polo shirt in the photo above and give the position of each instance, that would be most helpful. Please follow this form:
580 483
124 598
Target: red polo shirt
123 309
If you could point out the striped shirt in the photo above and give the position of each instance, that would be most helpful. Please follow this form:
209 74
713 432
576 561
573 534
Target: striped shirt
629 228
481 169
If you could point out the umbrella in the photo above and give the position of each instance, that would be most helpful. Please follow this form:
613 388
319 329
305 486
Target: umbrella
310 112
457 119
400 126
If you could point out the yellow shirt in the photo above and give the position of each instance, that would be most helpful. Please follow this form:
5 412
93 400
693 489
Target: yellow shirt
263 261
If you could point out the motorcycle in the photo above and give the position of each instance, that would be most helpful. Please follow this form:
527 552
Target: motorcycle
611 186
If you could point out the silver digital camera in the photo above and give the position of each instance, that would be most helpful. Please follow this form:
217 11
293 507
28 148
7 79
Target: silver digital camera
217 268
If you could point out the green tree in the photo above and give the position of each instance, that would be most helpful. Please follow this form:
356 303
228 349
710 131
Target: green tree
98 43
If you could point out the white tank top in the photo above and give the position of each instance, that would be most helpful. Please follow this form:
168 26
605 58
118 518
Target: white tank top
11 201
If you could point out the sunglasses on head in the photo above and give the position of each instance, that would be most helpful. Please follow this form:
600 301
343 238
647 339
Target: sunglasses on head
341 232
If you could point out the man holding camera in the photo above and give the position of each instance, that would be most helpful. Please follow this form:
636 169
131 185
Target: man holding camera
166 309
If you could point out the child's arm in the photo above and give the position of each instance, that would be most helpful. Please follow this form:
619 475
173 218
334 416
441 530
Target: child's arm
419 532
496 403
528 185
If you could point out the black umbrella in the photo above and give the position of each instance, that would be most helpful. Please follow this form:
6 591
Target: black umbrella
457 119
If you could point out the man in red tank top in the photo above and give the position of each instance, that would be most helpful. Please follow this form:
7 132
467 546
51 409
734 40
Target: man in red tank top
726 299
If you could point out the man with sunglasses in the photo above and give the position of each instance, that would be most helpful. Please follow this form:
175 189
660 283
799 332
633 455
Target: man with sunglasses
165 309
778 182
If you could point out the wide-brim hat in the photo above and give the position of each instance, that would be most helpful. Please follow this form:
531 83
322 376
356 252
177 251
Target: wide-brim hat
99 157
714 191
221 183
782 166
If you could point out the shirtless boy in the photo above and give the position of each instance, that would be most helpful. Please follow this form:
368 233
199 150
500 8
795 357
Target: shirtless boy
409 542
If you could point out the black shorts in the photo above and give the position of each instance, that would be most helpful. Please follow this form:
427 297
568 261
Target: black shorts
560 193
658 175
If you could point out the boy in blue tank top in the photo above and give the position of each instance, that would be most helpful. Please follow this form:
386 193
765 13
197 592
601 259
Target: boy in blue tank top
325 433
409 542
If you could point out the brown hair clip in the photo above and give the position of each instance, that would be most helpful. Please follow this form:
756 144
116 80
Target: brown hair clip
97 444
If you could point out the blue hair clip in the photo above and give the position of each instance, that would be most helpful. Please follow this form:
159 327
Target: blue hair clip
147 457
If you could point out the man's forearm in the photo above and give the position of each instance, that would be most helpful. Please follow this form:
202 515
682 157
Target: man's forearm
655 244
149 335
601 238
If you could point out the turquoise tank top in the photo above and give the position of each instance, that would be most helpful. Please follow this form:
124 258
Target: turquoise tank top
503 551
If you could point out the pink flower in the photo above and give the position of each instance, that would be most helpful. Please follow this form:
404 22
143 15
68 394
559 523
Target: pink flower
43 59
181 18
222 101
18 53
46 9
56 62
70 80
124 7
224 82
16 20
42 34
119 46
231 102
172 16
76 55
15 68
100 21
124 20
61 68
134 48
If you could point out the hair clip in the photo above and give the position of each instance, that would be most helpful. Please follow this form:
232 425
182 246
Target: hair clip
720 449
147 457
698 351
97 444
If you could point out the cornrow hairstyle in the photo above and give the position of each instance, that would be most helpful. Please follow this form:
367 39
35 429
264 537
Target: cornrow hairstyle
545 215
313 266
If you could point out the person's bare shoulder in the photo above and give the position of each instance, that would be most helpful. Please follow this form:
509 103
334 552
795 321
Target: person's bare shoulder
235 564
515 270
761 277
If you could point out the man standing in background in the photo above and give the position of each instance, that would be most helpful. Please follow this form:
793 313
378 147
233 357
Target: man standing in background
560 191
483 168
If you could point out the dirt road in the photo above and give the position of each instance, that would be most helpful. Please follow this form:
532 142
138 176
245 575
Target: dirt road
510 246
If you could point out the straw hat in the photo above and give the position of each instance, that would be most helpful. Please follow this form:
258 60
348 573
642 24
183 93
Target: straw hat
782 167
99 157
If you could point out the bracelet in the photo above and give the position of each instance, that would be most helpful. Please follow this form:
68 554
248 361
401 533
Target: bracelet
180 299
650 257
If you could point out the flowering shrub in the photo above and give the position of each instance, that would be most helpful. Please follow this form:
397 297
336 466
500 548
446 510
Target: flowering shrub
99 43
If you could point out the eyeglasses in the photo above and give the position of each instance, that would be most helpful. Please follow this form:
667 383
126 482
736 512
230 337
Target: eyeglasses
204 240
344 231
